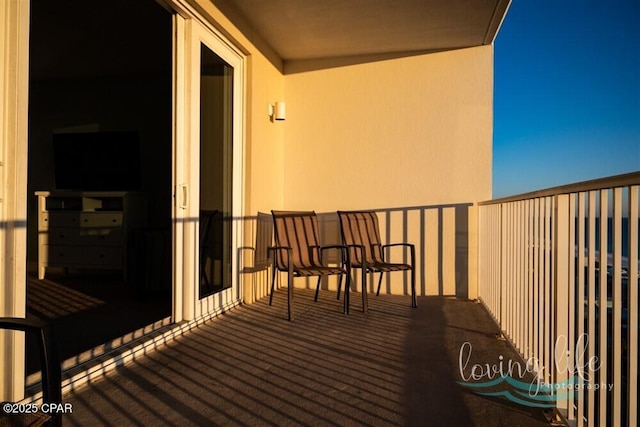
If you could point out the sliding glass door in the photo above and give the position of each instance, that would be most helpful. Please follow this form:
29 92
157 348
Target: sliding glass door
209 173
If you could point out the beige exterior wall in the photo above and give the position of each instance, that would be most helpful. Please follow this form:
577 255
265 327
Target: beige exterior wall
265 139
413 131
395 133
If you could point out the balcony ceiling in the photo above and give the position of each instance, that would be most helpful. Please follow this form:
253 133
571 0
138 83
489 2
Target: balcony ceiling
310 29
296 35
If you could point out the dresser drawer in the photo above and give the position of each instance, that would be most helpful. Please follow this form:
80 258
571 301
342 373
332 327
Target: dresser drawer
102 257
101 237
58 255
47 220
60 236
101 219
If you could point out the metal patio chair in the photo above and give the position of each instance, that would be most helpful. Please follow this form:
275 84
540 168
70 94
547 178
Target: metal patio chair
298 253
51 376
261 256
257 258
361 234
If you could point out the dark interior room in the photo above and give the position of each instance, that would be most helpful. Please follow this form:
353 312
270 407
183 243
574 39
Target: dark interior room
99 171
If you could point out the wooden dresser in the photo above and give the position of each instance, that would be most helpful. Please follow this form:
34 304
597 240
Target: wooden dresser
88 229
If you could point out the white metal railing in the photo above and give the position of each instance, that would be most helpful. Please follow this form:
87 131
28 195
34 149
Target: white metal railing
558 270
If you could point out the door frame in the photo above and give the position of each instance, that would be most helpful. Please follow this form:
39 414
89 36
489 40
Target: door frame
14 85
190 31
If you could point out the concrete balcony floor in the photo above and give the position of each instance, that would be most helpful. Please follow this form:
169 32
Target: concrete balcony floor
394 366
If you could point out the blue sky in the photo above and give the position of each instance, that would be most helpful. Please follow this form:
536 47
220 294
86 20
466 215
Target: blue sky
567 93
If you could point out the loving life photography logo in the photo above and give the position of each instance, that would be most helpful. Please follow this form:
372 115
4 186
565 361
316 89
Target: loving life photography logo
522 382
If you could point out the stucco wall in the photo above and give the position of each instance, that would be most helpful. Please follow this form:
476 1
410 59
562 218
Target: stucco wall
395 133
265 139
398 133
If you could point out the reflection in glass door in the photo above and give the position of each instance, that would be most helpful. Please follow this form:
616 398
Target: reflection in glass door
216 172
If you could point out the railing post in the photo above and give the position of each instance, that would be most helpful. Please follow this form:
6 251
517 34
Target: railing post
503 265
561 262
603 304
632 298
616 374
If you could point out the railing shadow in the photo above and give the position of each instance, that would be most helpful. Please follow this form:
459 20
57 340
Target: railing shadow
440 234
394 366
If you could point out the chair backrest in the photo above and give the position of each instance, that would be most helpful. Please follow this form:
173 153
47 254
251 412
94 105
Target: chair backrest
264 238
299 231
361 228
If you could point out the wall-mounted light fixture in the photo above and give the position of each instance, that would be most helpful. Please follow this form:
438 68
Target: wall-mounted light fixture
277 111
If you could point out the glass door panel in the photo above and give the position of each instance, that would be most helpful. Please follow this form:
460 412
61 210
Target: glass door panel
216 172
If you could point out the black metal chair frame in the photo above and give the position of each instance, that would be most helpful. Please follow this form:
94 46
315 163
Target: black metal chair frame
315 252
373 265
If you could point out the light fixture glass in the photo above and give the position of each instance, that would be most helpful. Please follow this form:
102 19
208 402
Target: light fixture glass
279 113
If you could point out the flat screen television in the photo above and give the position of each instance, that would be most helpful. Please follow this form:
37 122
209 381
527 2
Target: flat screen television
97 161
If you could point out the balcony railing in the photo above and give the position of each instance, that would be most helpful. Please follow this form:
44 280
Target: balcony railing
558 270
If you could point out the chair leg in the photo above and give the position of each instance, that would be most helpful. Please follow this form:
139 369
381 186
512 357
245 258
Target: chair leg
379 283
347 288
317 289
339 285
290 296
414 300
273 283
365 298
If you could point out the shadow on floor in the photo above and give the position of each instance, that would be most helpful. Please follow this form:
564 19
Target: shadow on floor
89 310
394 366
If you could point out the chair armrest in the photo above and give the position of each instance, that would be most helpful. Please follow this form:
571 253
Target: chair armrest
344 253
411 246
359 248
242 249
274 249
